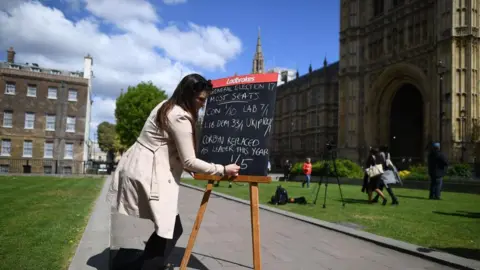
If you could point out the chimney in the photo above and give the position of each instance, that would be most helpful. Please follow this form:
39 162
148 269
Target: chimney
11 55
87 67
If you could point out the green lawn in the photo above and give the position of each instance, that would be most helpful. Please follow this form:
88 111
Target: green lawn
42 219
452 224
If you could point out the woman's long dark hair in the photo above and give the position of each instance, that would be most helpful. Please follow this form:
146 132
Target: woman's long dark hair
184 96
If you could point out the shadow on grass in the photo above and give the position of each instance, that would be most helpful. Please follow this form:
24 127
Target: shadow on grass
412 197
469 253
464 214
352 201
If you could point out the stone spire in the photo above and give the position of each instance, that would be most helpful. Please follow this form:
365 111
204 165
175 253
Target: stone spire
310 69
258 65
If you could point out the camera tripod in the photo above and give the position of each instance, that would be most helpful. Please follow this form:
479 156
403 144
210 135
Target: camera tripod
324 177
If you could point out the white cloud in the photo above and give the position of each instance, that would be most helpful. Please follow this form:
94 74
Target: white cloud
43 35
174 2
122 10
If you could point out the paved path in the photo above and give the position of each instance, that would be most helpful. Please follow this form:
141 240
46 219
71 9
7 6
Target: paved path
224 241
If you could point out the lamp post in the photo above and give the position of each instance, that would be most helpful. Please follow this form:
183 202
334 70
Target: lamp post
441 71
463 130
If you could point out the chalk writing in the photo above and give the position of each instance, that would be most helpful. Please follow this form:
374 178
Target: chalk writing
237 126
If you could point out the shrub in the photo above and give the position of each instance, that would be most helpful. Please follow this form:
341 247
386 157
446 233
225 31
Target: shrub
460 170
345 168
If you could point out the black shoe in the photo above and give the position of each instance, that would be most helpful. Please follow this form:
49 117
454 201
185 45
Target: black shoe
384 202
375 201
395 202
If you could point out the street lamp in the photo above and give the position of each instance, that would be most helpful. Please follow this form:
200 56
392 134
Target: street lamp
463 130
441 71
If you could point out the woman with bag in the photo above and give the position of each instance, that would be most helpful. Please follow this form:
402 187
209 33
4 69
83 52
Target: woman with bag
374 171
389 176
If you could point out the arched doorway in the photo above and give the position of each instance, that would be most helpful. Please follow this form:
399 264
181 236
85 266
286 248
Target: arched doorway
406 124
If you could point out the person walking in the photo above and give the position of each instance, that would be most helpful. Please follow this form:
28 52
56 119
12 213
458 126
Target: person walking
389 176
307 170
147 180
437 169
374 181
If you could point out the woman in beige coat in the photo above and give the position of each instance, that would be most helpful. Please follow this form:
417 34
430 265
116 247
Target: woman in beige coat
146 181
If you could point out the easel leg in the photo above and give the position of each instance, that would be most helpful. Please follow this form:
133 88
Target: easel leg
255 218
196 226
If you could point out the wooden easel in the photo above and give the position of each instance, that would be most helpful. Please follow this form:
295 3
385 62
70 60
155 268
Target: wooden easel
254 210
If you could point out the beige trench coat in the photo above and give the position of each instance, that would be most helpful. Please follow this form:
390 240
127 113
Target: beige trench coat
146 181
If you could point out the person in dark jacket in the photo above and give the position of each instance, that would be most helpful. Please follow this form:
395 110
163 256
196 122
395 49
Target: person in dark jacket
437 168
374 182
386 156
287 167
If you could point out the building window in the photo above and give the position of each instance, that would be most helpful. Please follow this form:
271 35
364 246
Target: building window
50 123
4 168
398 2
10 88
31 91
48 150
35 69
52 93
68 151
27 148
70 124
6 147
29 120
55 72
47 169
7 119
378 7
72 95
67 170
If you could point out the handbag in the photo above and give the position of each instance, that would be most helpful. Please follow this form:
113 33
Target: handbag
374 170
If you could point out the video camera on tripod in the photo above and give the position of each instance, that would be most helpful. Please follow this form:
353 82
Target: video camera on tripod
330 147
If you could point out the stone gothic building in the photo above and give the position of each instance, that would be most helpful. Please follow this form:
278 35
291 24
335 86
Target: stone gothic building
408 75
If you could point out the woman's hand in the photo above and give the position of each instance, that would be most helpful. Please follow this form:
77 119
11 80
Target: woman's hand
232 169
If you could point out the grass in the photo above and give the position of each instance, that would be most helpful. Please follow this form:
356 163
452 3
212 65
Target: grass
452 224
42 219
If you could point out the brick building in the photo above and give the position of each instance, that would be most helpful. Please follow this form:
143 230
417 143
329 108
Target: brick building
45 117
306 115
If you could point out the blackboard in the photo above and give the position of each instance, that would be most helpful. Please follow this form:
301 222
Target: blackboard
238 122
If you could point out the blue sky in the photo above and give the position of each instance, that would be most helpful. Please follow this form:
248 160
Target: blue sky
293 35
145 40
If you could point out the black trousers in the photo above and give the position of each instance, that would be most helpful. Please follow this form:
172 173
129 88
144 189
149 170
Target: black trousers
158 249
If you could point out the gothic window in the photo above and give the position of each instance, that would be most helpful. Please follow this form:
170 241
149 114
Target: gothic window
378 7
398 2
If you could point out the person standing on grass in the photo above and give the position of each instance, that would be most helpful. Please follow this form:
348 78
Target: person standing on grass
147 180
287 167
307 170
437 169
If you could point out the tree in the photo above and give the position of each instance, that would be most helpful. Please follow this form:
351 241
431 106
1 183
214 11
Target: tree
133 108
106 136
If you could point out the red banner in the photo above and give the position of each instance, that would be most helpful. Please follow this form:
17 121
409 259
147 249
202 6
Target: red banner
245 79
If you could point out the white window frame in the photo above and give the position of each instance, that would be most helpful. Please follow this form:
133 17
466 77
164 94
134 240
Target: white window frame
68 153
2 168
6 148
32 88
5 113
26 126
50 90
70 97
71 120
27 148
47 152
10 88
47 118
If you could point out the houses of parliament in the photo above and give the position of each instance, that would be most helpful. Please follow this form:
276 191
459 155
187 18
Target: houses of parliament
407 76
